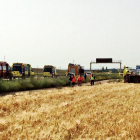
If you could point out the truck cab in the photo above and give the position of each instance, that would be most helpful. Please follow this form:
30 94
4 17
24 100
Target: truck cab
5 70
76 69
49 71
22 70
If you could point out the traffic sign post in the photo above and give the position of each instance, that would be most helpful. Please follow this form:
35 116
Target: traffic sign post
105 60
138 68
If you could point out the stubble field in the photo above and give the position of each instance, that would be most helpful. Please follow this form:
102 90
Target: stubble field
106 111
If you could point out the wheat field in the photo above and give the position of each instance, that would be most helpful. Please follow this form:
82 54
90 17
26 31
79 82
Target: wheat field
108 111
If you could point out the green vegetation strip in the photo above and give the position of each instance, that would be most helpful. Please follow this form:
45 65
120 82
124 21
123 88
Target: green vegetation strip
100 76
30 84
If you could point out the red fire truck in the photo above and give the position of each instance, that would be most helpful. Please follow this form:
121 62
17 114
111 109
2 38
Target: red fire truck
5 70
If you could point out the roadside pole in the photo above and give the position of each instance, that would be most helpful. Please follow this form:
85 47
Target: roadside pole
37 71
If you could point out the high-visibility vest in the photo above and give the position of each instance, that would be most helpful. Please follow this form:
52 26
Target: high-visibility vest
79 79
92 78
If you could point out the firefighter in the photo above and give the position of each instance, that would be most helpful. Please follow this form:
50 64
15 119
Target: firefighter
73 80
92 77
70 78
79 80
85 76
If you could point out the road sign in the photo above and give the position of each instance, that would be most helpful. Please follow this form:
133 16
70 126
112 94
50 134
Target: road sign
103 60
138 67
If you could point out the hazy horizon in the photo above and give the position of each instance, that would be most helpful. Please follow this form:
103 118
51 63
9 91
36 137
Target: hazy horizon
51 32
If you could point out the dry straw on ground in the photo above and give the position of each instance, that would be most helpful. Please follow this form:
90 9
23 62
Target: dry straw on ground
107 111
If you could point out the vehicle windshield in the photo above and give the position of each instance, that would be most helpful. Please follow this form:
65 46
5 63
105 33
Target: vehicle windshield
47 69
17 68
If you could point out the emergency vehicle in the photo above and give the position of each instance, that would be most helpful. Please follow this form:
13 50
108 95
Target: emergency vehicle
49 71
130 76
21 70
76 69
5 70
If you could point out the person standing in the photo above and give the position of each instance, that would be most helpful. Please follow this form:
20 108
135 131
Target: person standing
85 76
73 80
70 78
79 80
92 77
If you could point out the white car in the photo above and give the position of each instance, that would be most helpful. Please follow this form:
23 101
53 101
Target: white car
88 73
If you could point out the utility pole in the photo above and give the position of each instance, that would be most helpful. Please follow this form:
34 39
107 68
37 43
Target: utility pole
37 71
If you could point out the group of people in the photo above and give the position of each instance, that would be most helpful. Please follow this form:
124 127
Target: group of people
72 79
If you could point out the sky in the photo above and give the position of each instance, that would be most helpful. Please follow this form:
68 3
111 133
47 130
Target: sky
59 32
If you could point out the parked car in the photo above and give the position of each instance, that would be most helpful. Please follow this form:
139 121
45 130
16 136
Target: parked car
88 73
